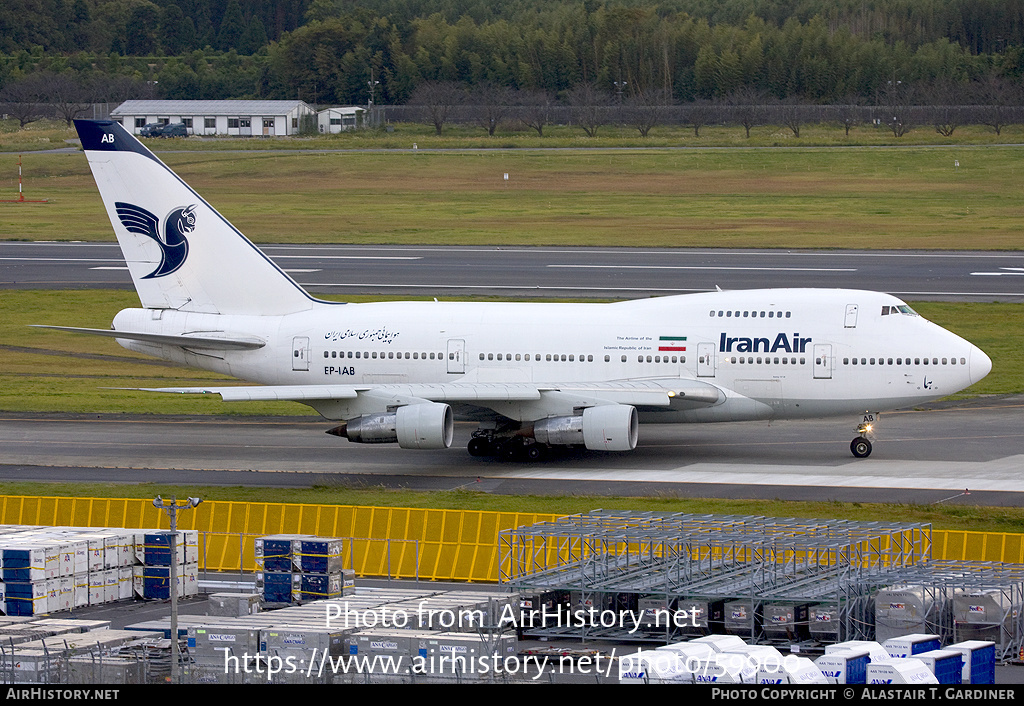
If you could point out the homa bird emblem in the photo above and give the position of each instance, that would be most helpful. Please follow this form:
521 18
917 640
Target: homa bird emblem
173 244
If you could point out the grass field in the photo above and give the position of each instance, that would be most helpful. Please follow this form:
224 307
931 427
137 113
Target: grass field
819 197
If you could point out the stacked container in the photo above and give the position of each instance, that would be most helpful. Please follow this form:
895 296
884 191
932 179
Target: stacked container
153 578
47 570
295 568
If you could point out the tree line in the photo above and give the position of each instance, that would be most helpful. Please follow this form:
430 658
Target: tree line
358 51
995 103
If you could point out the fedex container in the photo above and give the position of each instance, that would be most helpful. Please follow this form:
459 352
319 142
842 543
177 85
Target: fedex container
824 622
904 609
742 618
702 616
785 621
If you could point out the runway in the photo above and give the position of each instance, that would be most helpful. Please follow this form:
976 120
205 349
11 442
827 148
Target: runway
920 456
970 453
521 272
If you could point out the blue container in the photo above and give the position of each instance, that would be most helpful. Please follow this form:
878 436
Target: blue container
979 661
277 587
318 586
20 598
319 555
946 665
156 581
277 555
157 548
17 563
925 646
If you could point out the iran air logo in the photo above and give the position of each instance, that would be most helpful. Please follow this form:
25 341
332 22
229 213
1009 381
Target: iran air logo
173 244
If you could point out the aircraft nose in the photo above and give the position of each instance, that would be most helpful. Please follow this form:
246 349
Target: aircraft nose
980 364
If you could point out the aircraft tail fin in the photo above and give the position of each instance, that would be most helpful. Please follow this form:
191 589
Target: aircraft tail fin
182 254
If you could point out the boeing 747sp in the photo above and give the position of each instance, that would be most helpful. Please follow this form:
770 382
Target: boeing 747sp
535 376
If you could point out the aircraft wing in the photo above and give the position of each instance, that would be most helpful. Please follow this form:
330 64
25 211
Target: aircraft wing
640 393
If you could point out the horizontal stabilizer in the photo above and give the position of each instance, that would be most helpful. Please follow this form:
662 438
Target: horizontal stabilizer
208 340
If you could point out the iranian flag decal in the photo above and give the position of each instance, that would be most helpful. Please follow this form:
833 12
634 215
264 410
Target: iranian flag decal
671 343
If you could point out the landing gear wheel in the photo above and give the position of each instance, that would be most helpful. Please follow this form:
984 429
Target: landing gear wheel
860 447
533 452
512 450
479 446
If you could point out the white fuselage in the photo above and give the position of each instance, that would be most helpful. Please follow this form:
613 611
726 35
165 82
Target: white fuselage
776 353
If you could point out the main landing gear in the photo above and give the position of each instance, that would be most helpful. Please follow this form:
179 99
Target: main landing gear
861 446
509 448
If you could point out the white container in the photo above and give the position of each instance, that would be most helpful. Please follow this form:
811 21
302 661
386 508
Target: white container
794 670
653 667
944 663
900 670
720 642
877 652
845 666
979 661
726 669
909 645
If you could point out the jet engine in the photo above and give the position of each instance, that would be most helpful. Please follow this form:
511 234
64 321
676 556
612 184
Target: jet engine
428 425
606 428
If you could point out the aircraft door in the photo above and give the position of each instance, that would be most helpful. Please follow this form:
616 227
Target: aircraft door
851 316
706 360
823 361
456 356
300 353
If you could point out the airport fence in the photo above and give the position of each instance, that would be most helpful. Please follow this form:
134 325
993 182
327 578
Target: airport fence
409 543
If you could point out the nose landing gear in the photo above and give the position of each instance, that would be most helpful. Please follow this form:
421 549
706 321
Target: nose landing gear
861 446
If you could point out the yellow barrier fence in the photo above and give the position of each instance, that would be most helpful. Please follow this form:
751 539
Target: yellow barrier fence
429 544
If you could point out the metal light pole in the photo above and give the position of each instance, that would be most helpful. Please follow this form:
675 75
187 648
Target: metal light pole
171 507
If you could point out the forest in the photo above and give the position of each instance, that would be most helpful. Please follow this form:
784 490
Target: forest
383 51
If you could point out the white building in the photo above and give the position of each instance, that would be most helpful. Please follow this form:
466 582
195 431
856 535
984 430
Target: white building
334 120
229 117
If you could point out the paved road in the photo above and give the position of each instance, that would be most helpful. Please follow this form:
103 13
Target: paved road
559 272
920 456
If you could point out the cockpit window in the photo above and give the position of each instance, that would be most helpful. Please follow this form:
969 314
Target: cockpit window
901 309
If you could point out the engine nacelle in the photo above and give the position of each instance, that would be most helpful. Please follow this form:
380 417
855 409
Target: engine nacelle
425 426
611 427
429 425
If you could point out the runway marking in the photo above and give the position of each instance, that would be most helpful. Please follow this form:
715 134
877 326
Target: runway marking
345 257
61 259
1011 271
882 439
110 267
707 267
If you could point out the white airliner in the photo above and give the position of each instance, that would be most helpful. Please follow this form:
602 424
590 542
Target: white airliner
535 376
